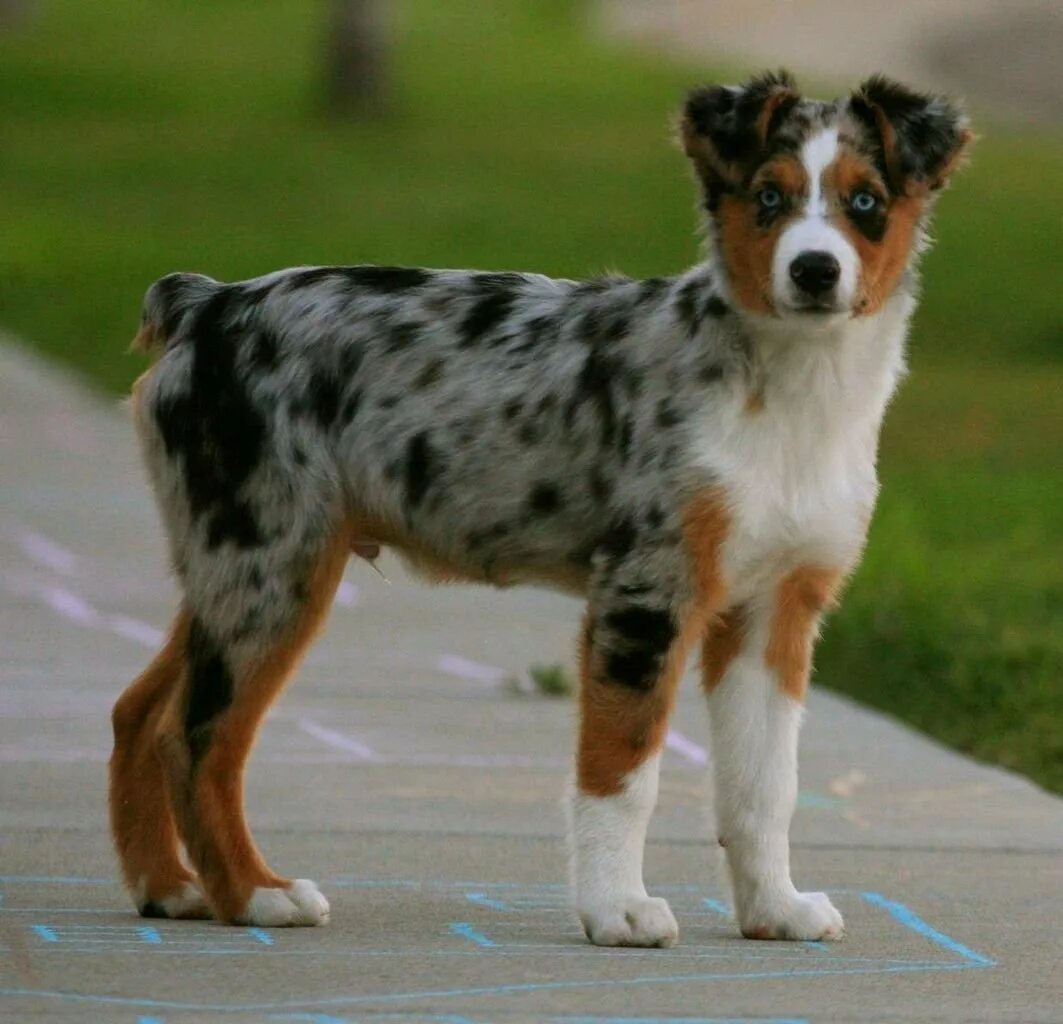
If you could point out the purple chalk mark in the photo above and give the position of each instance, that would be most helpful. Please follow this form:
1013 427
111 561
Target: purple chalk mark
47 552
348 595
686 747
465 668
74 608
71 607
339 740
134 629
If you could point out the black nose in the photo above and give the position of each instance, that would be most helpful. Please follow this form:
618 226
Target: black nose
815 273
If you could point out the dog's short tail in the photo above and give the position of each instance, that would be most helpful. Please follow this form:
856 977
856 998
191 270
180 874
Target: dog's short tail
167 304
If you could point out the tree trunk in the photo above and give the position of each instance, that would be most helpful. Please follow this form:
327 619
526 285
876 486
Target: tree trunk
356 58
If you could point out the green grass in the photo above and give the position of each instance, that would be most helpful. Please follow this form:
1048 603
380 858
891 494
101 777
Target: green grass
139 139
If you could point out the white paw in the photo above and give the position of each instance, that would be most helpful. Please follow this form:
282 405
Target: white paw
313 907
187 901
300 904
803 916
636 921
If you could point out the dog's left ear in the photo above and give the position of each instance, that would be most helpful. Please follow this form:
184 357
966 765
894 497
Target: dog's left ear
726 128
921 138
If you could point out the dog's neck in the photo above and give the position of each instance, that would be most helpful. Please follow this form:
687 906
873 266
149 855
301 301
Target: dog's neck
844 367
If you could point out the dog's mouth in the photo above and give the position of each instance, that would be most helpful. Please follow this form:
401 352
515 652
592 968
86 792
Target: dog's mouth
813 308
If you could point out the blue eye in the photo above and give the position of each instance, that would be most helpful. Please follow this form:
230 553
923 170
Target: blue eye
769 197
863 201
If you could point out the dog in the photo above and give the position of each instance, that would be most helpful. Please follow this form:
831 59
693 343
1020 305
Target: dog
693 454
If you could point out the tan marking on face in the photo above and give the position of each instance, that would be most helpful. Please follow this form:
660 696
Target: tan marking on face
723 641
883 262
799 599
749 249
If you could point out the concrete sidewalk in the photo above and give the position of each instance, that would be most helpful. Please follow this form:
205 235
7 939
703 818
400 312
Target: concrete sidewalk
403 774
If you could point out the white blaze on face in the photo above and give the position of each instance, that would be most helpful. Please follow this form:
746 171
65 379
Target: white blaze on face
812 231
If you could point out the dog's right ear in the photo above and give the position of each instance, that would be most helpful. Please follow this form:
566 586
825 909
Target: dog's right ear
726 128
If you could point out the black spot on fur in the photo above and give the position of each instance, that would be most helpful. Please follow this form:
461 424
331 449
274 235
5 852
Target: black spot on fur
431 374
539 330
599 486
210 689
387 280
400 335
710 373
623 441
422 464
687 306
529 434
235 523
655 517
544 499
388 402
323 398
632 380
350 406
652 288
619 539
485 314
214 429
169 293
617 326
264 351
667 414
716 307
351 357
512 409
595 385
636 650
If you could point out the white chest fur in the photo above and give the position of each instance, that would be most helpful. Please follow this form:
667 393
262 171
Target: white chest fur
798 466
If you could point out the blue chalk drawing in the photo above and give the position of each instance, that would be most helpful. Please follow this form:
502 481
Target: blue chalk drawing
261 935
467 931
911 920
510 927
484 900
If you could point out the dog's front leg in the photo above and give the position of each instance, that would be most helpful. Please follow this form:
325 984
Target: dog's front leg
633 650
756 666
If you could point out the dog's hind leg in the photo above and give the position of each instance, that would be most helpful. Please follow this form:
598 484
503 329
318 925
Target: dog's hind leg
142 822
207 731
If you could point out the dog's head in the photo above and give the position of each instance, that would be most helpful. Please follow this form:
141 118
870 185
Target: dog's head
817 208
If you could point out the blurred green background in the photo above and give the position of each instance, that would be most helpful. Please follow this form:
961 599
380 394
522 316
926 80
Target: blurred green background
136 139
